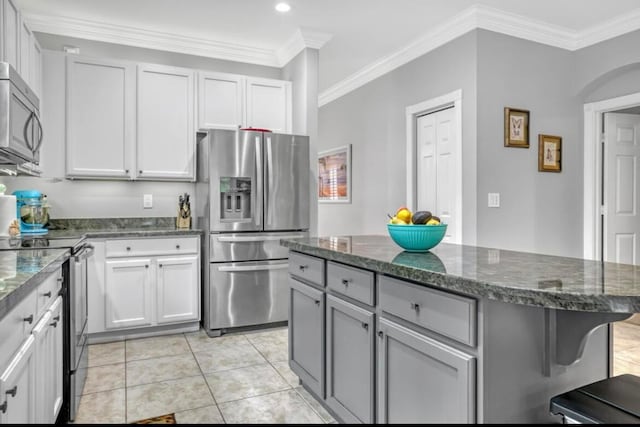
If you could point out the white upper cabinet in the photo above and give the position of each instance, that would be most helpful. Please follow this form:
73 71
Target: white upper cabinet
25 51
100 117
220 100
10 33
269 104
35 74
229 101
165 123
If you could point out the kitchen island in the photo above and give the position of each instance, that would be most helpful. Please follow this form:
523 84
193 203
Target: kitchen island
456 334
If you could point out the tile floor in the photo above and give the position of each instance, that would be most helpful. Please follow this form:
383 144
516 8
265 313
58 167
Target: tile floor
236 378
626 348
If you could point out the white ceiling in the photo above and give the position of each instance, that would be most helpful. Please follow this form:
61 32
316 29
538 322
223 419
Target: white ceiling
351 34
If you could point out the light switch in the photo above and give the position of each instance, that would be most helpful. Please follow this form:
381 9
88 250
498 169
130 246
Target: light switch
494 200
148 201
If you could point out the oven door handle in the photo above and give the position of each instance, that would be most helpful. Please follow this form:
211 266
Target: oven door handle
236 269
86 251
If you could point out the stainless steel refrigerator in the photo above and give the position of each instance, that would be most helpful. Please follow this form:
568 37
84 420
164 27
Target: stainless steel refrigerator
252 190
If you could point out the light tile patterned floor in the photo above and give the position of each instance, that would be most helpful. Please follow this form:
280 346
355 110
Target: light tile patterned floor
626 348
238 378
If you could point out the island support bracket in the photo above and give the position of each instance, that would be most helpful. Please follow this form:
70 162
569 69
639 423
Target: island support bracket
566 334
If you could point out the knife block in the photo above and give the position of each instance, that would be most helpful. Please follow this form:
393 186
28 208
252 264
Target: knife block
183 223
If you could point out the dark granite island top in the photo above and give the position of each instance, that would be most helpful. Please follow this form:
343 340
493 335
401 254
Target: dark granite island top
21 271
502 275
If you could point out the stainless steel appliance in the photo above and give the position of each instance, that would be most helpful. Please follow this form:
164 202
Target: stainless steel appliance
20 126
252 190
74 291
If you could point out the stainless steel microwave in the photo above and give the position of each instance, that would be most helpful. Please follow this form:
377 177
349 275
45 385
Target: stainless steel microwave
20 126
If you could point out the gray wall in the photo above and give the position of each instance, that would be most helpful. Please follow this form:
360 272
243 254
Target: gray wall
372 120
539 211
104 198
303 73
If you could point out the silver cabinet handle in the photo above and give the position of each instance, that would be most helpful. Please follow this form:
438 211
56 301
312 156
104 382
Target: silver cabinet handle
126 171
54 324
415 306
380 334
146 266
3 407
128 248
346 282
28 319
317 302
303 267
365 326
160 265
59 279
140 172
177 246
47 294
253 268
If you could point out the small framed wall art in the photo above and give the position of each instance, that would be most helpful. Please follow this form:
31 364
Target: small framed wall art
516 128
334 175
549 153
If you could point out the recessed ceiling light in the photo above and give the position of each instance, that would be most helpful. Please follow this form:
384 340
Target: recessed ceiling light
283 7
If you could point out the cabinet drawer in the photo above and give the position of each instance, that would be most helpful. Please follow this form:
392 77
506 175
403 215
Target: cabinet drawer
47 292
151 246
450 315
307 267
14 328
352 282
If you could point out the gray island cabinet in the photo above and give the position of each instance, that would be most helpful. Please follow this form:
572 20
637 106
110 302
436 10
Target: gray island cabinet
459 334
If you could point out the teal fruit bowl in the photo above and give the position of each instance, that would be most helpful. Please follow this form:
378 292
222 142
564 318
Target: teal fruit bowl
416 238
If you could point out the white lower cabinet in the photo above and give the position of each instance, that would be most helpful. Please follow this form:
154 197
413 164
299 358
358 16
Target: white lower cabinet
128 290
31 377
177 302
17 387
143 283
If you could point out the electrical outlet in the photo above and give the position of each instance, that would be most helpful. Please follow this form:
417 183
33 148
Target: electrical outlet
494 200
148 201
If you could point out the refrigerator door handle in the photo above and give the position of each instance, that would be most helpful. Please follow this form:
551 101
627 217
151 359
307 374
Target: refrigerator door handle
230 269
260 184
242 239
268 178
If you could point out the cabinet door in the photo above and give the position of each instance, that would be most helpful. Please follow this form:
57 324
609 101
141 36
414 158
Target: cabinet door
220 101
178 289
96 291
128 293
350 361
36 68
421 380
269 104
43 368
56 350
166 131
306 335
10 40
26 37
100 118
17 387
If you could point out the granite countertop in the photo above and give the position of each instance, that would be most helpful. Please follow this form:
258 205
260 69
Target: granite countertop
93 233
21 271
502 275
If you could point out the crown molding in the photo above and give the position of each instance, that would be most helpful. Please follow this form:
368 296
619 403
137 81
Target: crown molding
301 39
124 35
487 18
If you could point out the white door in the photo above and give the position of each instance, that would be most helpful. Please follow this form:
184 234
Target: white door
128 293
178 288
269 104
621 190
43 371
17 387
25 52
220 101
56 349
166 130
437 176
100 118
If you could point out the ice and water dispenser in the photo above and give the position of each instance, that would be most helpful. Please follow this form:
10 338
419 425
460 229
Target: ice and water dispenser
235 198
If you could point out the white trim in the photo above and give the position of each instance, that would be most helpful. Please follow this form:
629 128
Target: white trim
593 168
124 35
491 19
412 112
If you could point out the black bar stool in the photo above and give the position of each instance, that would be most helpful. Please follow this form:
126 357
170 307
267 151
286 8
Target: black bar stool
614 400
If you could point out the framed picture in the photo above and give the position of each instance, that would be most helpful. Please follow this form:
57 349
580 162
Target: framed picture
334 175
516 128
549 153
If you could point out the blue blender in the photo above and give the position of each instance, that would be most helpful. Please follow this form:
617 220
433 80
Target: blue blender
31 212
